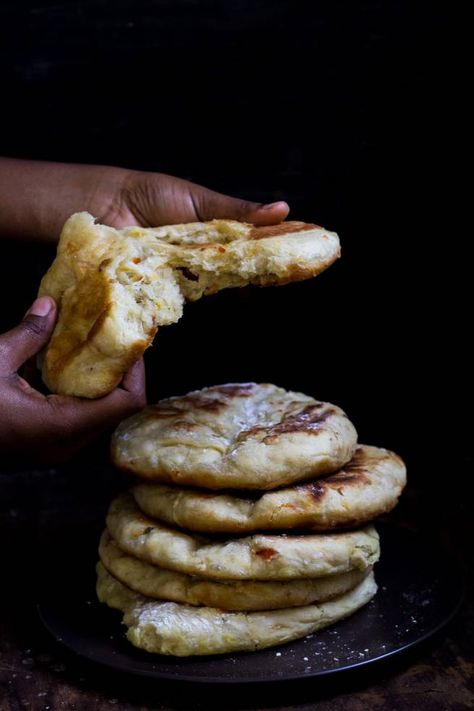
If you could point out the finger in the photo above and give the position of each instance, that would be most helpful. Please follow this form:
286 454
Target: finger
211 205
29 337
134 381
158 199
80 419
76 417
27 388
270 214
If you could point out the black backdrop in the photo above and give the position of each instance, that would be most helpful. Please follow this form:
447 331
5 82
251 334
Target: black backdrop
345 109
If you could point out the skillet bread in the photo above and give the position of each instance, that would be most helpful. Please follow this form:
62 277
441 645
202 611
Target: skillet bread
183 630
364 488
238 436
114 288
159 583
257 557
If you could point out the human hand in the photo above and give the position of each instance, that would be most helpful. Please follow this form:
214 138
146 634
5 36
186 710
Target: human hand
37 197
153 199
47 429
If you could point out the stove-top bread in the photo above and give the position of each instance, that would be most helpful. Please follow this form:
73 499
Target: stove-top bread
258 557
183 630
364 488
114 288
238 436
161 584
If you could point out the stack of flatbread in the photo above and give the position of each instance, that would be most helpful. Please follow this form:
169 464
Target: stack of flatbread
253 525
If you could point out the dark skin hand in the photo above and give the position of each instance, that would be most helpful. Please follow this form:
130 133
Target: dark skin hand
36 198
151 199
51 428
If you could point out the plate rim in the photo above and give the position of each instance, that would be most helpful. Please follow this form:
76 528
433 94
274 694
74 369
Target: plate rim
44 606
167 676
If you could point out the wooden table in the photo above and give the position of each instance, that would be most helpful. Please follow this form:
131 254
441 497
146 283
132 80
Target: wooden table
45 515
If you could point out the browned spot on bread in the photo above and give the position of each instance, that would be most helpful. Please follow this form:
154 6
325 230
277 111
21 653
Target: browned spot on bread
162 412
353 473
298 274
346 478
104 264
201 402
314 489
184 426
359 459
205 401
236 390
284 228
310 420
137 533
266 553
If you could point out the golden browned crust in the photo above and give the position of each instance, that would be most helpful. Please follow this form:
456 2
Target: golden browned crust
282 229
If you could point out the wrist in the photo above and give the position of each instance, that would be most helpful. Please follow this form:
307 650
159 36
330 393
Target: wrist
36 197
104 190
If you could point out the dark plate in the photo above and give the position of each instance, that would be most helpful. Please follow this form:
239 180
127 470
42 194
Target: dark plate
419 592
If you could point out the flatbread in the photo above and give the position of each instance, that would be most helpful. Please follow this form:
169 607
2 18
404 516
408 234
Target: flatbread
182 630
114 288
239 435
366 487
258 557
158 583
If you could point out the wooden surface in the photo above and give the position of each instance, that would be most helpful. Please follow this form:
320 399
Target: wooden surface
46 516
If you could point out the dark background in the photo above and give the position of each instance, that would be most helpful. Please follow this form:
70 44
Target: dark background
347 110
350 111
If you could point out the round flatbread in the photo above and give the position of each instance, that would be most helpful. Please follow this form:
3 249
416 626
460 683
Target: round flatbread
366 487
258 557
183 630
158 583
239 436
114 288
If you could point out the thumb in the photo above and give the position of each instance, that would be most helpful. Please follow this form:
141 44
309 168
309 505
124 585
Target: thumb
211 205
29 337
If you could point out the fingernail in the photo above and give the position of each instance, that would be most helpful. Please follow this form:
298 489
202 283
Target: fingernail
40 307
269 206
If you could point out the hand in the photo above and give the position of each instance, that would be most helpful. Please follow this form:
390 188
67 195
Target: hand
51 428
153 199
36 198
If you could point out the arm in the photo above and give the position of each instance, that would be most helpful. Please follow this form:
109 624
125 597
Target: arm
37 197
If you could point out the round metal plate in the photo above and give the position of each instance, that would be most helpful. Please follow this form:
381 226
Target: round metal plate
417 596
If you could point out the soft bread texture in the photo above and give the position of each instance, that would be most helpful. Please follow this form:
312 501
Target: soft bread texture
239 435
158 583
114 288
183 630
366 487
258 557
